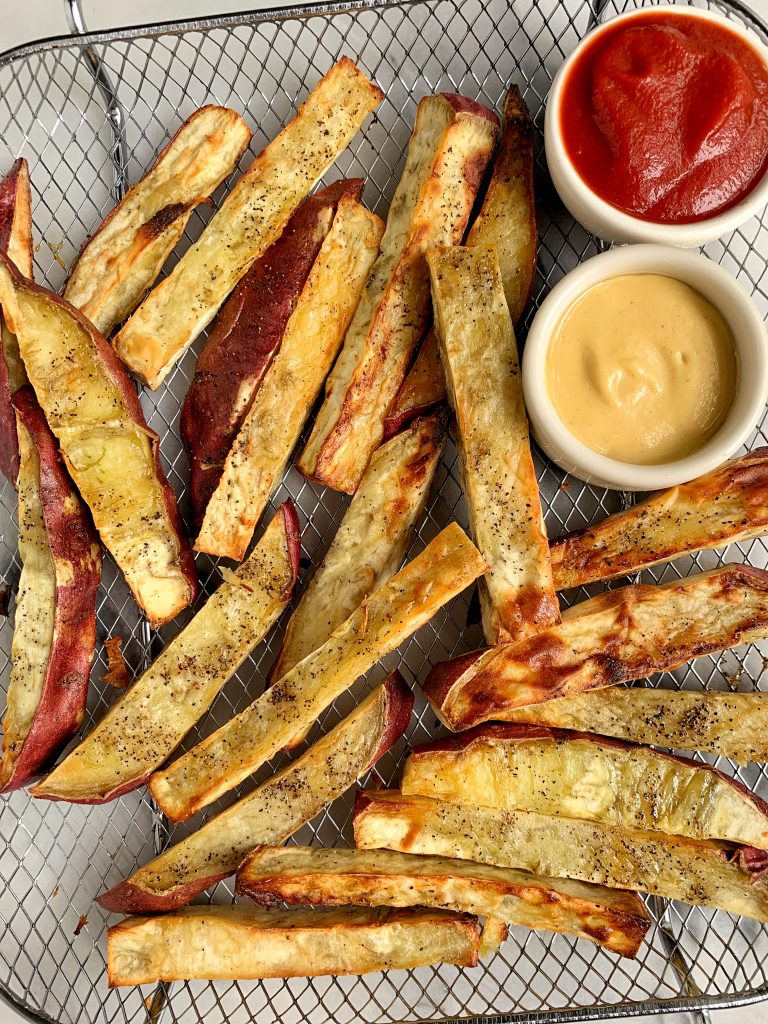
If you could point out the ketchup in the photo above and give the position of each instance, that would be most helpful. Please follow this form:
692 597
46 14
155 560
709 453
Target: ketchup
665 116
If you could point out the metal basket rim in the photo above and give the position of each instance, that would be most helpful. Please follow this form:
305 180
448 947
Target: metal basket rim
324 8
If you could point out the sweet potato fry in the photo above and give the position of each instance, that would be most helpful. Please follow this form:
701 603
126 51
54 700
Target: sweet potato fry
249 221
703 872
734 725
371 878
55 633
144 728
284 712
114 458
450 147
422 389
280 408
247 942
479 355
723 507
122 259
372 540
553 771
616 637
245 337
273 811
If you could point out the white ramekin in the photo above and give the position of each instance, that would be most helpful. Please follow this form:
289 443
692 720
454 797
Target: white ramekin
751 340
604 220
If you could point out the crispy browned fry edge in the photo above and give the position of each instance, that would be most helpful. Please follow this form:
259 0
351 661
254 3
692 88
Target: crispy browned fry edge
478 351
534 768
242 942
702 872
422 389
273 811
723 507
337 877
616 637
74 560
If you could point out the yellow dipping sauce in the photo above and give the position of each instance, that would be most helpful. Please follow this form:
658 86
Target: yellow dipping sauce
643 369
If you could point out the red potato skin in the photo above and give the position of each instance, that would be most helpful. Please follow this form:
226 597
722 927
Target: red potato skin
73 539
123 382
128 898
246 337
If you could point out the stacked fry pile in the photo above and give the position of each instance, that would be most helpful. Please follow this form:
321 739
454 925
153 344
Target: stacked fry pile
550 807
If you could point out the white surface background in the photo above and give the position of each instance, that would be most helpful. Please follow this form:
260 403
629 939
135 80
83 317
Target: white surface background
22 21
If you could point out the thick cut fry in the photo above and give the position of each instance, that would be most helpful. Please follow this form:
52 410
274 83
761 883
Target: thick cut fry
137 735
479 355
372 540
507 220
616 637
122 259
114 458
247 942
274 811
245 337
16 243
734 725
249 221
703 872
371 878
284 712
723 507
281 406
55 632
578 775
451 143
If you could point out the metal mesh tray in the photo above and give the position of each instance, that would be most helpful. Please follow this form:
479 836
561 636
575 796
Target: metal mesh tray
84 142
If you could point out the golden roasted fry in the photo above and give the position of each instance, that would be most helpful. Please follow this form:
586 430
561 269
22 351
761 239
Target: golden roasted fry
479 356
122 259
613 638
337 877
249 221
703 872
311 341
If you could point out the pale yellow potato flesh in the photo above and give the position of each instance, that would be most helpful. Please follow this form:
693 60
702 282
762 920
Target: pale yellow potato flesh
337 877
479 356
312 338
122 259
431 206
700 872
590 778
286 710
371 541
220 942
250 219
734 725
147 724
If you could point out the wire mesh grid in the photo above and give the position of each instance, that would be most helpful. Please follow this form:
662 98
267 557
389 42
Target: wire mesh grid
54 858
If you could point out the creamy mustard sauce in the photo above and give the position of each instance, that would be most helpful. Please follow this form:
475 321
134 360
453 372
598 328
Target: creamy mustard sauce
642 368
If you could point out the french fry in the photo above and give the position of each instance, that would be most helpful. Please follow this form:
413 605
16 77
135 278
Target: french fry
122 259
250 219
613 638
451 144
246 942
371 878
578 775
372 540
114 458
273 811
479 355
285 711
143 729
723 507
280 408
422 389
702 872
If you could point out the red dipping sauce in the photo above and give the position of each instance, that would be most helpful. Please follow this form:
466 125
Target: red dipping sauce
665 116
